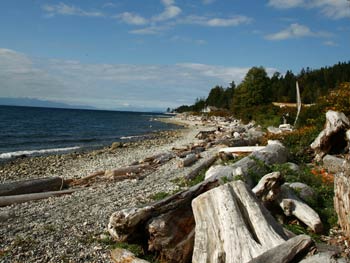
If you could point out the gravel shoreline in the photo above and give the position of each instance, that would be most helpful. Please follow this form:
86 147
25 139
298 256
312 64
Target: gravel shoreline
72 228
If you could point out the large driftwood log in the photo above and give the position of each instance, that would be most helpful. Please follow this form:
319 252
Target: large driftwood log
243 149
292 205
342 197
16 199
130 223
269 187
273 153
287 251
324 257
32 186
232 225
333 136
203 165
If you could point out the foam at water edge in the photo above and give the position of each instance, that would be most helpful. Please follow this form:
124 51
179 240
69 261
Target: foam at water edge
33 152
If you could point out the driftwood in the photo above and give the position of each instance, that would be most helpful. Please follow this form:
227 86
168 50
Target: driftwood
159 158
16 199
269 187
172 235
342 197
133 169
147 224
324 257
232 225
273 153
194 150
287 251
292 205
243 149
203 165
332 138
188 160
32 186
219 171
120 255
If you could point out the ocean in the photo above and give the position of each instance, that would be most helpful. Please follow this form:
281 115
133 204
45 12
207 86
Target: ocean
36 131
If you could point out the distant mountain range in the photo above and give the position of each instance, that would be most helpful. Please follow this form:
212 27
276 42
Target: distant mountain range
28 102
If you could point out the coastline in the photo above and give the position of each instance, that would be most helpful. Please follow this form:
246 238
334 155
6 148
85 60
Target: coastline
74 226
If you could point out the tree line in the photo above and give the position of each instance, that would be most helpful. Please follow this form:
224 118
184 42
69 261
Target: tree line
258 89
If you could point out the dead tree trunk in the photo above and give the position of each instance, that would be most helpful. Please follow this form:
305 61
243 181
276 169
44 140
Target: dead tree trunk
232 226
32 186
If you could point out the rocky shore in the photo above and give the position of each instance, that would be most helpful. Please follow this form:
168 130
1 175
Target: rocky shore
72 228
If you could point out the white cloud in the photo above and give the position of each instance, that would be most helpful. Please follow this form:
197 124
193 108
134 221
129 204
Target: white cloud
110 85
285 4
296 31
335 9
132 19
151 30
330 43
63 9
216 22
207 2
168 2
170 12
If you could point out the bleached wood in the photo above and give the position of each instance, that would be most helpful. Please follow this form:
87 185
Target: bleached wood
292 205
232 226
127 170
120 255
188 160
242 149
269 187
287 251
203 165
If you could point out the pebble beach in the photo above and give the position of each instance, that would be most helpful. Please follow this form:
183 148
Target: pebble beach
73 228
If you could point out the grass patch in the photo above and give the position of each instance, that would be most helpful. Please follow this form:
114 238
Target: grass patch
159 196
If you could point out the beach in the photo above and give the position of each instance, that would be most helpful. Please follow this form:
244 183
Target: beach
73 228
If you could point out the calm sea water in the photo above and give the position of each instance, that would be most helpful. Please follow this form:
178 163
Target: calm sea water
35 131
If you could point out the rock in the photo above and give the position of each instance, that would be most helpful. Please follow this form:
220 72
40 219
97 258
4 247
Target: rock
294 167
333 137
323 257
120 255
222 171
304 191
333 164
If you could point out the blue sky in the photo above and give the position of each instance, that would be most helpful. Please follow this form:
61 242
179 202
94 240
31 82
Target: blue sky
154 54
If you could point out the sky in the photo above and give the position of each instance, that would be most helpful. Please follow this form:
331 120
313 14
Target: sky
154 54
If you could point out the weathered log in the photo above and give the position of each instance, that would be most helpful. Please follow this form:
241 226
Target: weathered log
273 153
243 149
292 205
194 150
203 165
120 255
16 199
332 138
287 251
159 158
188 160
232 226
32 186
172 235
269 187
130 224
342 197
85 179
133 169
